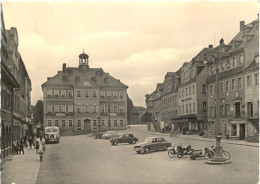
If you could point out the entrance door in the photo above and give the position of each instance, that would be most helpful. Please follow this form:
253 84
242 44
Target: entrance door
87 125
242 131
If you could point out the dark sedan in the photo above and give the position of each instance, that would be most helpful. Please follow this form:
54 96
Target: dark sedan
152 144
124 138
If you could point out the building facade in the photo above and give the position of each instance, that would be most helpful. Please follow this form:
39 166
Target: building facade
15 91
83 99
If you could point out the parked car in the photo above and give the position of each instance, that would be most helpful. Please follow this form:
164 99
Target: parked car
110 134
152 144
99 135
124 138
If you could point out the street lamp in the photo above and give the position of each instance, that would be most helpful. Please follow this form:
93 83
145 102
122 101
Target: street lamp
218 158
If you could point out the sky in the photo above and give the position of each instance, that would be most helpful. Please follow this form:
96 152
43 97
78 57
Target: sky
137 42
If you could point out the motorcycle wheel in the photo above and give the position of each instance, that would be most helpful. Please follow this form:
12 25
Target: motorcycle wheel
208 155
179 155
226 155
171 153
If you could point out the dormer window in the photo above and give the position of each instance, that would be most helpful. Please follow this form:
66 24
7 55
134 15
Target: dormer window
234 64
94 79
241 60
77 79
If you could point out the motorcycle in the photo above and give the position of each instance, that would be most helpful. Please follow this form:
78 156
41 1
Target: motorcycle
181 151
171 151
208 153
41 155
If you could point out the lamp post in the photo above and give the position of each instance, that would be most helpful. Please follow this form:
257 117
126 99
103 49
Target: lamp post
218 158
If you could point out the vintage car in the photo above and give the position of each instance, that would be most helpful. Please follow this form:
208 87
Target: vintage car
124 138
99 135
110 134
152 144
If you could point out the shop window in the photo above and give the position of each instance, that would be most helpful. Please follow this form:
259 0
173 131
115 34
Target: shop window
233 130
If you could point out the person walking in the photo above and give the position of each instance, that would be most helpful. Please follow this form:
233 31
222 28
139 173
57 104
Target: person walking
22 146
37 145
30 141
15 147
25 141
18 146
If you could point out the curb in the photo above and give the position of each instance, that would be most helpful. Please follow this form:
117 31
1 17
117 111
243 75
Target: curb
241 144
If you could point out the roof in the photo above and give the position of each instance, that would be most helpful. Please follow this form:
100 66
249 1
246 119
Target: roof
73 76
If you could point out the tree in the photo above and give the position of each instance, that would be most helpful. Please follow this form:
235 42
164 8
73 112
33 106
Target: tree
147 117
38 113
130 108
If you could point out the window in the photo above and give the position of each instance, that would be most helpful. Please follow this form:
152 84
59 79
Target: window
49 92
193 89
70 123
233 129
79 109
241 60
121 94
233 84
182 109
109 93
186 108
102 109
57 123
212 111
63 93
227 86
115 109
204 106
63 122
49 108
70 108
94 94
239 82
190 108
109 123
94 122
179 93
204 88
94 109
63 108
115 122
87 109
121 109
221 110
102 94
228 64
115 94
222 87
79 123
103 122
256 79
189 90
56 92
182 92
194 109
227 109
193 72
186 92
49 123
86 94
248 80
56 108
211 90
78 94
234 64
70 93
121 122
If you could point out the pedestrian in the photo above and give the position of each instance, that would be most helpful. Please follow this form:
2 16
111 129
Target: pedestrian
15 147
22 146
34 139
30 141
25 141
18 146
37 145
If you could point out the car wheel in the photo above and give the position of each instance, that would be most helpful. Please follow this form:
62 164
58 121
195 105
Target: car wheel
133 142
138 152
164 148
115 142
108 137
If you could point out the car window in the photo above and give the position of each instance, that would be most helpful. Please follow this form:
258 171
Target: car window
159 140
123 136
131 135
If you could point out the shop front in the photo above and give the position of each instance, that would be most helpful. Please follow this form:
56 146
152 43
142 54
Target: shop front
186 125
238 130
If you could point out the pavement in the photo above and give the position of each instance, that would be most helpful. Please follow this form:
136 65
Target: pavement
21 168
226 141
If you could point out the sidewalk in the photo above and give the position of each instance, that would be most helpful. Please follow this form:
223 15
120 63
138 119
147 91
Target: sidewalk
226 141
21 169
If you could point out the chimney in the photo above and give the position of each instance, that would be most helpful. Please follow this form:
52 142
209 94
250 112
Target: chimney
242 24
210 46
64 67
221 41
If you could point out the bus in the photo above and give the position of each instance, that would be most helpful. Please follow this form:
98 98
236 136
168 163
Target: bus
52 134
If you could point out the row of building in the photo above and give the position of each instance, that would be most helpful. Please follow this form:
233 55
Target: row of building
83 99
186 100
15 91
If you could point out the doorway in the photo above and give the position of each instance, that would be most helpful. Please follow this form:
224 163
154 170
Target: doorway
242 131
87 125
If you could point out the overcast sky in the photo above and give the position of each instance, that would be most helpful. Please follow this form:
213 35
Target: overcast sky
136 42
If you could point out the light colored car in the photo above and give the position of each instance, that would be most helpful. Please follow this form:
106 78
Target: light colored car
152 144
110 134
